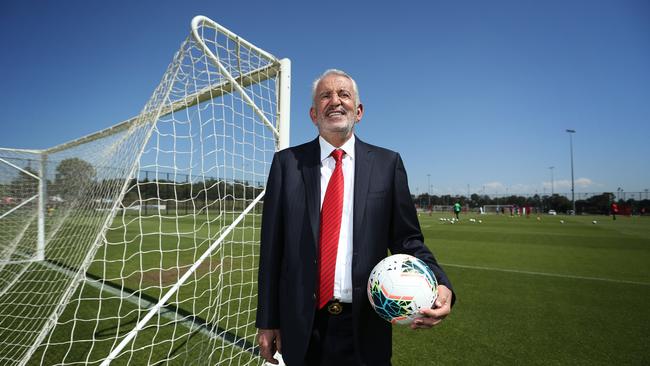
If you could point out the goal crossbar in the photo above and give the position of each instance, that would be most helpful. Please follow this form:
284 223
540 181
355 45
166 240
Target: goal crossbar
218 90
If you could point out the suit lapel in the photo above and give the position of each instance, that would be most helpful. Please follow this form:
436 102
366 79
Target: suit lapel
311 177
362 169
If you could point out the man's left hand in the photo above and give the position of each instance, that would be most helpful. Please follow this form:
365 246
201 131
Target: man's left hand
434 316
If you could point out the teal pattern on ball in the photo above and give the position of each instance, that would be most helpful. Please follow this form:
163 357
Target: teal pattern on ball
388 309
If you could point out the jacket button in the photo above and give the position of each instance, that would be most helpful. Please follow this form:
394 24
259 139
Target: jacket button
314 296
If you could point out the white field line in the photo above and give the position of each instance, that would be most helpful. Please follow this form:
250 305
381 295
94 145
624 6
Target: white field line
143 303
546 274
123 295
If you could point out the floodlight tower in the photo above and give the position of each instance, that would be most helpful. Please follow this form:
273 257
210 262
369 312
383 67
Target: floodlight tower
552 183
573 197
429 188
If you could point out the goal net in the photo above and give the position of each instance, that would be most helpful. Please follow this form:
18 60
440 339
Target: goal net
498 209
20 184
442 208
139 244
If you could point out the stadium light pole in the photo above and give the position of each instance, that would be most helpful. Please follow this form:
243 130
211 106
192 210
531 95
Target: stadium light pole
573 197
429 188
552 183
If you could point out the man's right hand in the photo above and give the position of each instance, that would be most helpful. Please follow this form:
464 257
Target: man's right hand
269 341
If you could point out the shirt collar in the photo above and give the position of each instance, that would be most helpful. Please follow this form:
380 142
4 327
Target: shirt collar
326 148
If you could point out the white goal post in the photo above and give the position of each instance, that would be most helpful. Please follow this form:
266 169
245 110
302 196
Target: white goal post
139 244
498 209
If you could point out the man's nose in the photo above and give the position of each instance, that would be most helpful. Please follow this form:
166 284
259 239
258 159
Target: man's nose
335 99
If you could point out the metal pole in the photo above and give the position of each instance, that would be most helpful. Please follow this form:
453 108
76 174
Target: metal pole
168 194
284 95
188 191
552 182
428 189
42 208
144 201
573 198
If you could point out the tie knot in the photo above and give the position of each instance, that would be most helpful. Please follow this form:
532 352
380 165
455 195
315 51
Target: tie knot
337 154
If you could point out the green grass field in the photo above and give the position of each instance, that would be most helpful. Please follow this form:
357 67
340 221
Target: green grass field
530 292
142 257
538 292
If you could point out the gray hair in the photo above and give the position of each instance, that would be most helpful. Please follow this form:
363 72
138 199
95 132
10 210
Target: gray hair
328 72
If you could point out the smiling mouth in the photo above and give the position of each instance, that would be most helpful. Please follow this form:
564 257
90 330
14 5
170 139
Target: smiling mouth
335 113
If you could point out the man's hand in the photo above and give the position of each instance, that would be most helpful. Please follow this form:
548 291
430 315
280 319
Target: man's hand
269 341
431 317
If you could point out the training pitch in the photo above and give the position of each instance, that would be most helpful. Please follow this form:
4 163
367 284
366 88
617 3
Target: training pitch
560 290
538 292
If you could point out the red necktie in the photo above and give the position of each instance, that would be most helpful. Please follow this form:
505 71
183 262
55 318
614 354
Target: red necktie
330 227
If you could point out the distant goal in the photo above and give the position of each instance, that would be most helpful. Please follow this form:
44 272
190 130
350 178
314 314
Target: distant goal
138 244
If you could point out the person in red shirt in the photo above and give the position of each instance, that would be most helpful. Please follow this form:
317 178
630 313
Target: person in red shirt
614 210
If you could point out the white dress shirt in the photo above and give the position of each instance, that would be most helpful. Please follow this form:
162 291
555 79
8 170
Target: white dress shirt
343 273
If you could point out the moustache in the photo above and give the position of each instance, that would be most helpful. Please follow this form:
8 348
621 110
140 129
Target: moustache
336 109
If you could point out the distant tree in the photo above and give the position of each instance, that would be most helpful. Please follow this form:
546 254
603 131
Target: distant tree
534 201
559 203
73 177
24 185
598 204
476 200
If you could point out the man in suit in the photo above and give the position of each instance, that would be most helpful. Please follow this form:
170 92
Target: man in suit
311 314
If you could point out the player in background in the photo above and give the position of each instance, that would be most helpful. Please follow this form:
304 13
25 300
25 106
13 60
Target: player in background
614 210
457 210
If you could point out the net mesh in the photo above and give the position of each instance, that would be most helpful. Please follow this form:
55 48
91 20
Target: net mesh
130 209
19 187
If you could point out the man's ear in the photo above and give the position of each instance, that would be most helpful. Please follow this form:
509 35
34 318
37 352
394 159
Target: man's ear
312 115
359 112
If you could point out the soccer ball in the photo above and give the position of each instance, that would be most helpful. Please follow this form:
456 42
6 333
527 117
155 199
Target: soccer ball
594 222
399 286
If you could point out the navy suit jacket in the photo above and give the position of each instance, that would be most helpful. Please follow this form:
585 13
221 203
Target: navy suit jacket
384 220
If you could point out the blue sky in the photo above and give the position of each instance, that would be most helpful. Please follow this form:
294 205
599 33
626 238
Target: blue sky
475 93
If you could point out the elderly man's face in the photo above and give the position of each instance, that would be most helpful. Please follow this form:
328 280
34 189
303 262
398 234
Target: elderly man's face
335 110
